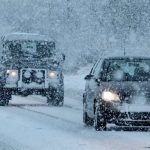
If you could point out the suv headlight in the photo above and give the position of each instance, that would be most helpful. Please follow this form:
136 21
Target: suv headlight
110 96
12 73
52 74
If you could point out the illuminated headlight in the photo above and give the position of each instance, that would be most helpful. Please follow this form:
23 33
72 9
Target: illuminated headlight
52 74
110 96
12 73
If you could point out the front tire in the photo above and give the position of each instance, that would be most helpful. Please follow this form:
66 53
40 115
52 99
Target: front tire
5 96
55 98
86 119
99 120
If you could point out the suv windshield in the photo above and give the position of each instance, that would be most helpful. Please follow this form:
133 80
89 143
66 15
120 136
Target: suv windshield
126 70
30 48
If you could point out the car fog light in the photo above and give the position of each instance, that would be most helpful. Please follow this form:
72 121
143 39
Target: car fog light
110 96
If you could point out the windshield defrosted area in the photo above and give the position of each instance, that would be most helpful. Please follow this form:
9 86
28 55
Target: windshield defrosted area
126 70
30 48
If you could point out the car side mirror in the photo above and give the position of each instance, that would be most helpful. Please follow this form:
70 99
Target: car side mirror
98 80
88 77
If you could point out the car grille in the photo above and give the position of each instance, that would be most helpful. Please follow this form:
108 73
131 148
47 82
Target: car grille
139 116
134 116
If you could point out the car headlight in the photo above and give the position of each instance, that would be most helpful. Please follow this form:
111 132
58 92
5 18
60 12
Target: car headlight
52 74
110 96
12 73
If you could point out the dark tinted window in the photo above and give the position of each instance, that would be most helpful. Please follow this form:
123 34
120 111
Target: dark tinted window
32 48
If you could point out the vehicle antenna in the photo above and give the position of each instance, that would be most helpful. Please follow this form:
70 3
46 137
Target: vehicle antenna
124 51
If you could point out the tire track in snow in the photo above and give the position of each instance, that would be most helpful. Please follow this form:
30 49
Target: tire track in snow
45 114
104 140
44 105
39 102
43 102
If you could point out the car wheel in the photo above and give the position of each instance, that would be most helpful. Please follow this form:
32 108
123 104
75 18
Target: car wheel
99 120
5 96
55 98
86 119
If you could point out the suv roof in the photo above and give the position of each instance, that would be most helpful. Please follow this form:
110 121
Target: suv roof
27 36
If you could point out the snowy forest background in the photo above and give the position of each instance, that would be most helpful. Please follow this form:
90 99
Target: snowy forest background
83 29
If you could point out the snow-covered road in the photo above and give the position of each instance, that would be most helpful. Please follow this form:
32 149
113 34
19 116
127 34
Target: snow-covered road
29 124
56 128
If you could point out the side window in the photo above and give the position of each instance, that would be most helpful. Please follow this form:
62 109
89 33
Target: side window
96 66
98 69
93 68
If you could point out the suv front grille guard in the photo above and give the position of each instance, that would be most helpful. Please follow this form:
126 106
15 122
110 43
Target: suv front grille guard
34 78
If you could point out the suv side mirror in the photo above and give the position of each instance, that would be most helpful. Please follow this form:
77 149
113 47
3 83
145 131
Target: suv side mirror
88 77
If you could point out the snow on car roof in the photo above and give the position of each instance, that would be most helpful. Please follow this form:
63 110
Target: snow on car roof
27 36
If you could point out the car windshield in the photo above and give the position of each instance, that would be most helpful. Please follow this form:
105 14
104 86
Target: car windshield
30 48
126 70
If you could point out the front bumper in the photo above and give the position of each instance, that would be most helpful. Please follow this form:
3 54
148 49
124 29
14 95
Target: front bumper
33 82
126 115
44 91
133 119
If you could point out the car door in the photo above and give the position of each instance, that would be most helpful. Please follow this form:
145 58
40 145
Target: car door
90 87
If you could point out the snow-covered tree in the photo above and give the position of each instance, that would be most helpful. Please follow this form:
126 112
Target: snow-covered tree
82 29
